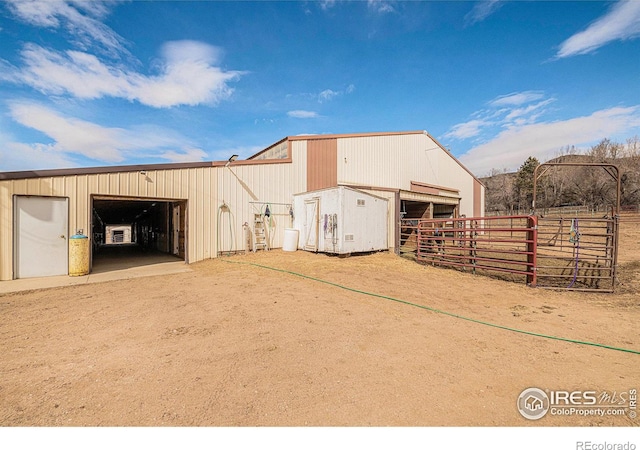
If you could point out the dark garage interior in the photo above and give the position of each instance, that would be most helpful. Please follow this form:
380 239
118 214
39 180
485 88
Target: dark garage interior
129 232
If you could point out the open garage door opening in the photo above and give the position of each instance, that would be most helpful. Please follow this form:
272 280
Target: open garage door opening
129 232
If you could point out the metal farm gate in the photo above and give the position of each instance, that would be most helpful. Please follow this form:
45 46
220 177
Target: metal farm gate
576 254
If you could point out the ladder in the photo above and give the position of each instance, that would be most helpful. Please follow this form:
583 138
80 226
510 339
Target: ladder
259 233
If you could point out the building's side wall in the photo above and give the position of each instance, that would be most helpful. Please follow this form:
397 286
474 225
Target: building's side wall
478 199
395 161
196 185
246 190
321 164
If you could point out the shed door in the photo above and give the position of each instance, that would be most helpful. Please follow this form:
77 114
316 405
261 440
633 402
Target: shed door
41 236
311 214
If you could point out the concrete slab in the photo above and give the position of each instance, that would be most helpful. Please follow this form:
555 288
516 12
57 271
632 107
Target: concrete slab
103 273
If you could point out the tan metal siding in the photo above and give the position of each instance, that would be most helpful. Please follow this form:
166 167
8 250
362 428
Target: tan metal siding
299 166
199 219
478 198
384 161
395 161
322 170
6 231
246 189
196 185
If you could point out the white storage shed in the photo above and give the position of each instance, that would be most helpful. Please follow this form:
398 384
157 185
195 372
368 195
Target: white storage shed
341 220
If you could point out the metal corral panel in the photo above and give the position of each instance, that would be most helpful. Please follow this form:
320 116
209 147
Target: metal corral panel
195 185
341 220
394 161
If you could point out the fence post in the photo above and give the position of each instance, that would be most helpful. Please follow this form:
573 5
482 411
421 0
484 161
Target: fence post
616 231
474 244
532 250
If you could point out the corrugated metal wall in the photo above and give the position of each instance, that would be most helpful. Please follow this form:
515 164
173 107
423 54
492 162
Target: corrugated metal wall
196 185
478 198
248 189
395 161
322 169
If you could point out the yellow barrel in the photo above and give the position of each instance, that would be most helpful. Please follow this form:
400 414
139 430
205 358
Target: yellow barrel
78 255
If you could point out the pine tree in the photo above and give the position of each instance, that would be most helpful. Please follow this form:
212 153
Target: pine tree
524 182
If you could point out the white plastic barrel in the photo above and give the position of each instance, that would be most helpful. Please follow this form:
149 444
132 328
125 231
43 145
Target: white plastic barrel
290 240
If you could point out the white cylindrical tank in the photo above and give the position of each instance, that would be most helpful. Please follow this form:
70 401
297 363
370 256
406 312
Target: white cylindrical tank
290 240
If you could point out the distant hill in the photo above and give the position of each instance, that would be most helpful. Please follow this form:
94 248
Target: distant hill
590 187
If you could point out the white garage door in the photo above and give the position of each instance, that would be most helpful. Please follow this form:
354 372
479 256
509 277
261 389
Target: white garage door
41 225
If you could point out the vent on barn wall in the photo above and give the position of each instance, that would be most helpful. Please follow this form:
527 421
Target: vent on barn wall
348 237
360 202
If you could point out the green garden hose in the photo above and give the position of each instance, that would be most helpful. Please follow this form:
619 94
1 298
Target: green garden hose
438 311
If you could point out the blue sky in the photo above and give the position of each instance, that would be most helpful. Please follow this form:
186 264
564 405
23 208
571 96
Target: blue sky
115 82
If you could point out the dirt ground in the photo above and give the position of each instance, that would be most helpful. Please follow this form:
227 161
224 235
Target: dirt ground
231 344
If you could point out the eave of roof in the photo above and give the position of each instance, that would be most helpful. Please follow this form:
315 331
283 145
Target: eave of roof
104 169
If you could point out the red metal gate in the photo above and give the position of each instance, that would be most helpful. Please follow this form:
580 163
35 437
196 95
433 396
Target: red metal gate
578 253
499 245
575 254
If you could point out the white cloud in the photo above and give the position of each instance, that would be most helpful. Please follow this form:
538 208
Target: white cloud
481 10
16 156
517 98
326 95
622 22
330 94
506 111
79 18
71 137
188 155
301 114
528 113
466 130
380 6
327 4
510 148
188 76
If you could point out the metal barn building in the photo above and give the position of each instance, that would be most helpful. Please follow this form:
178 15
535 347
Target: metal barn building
198 211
